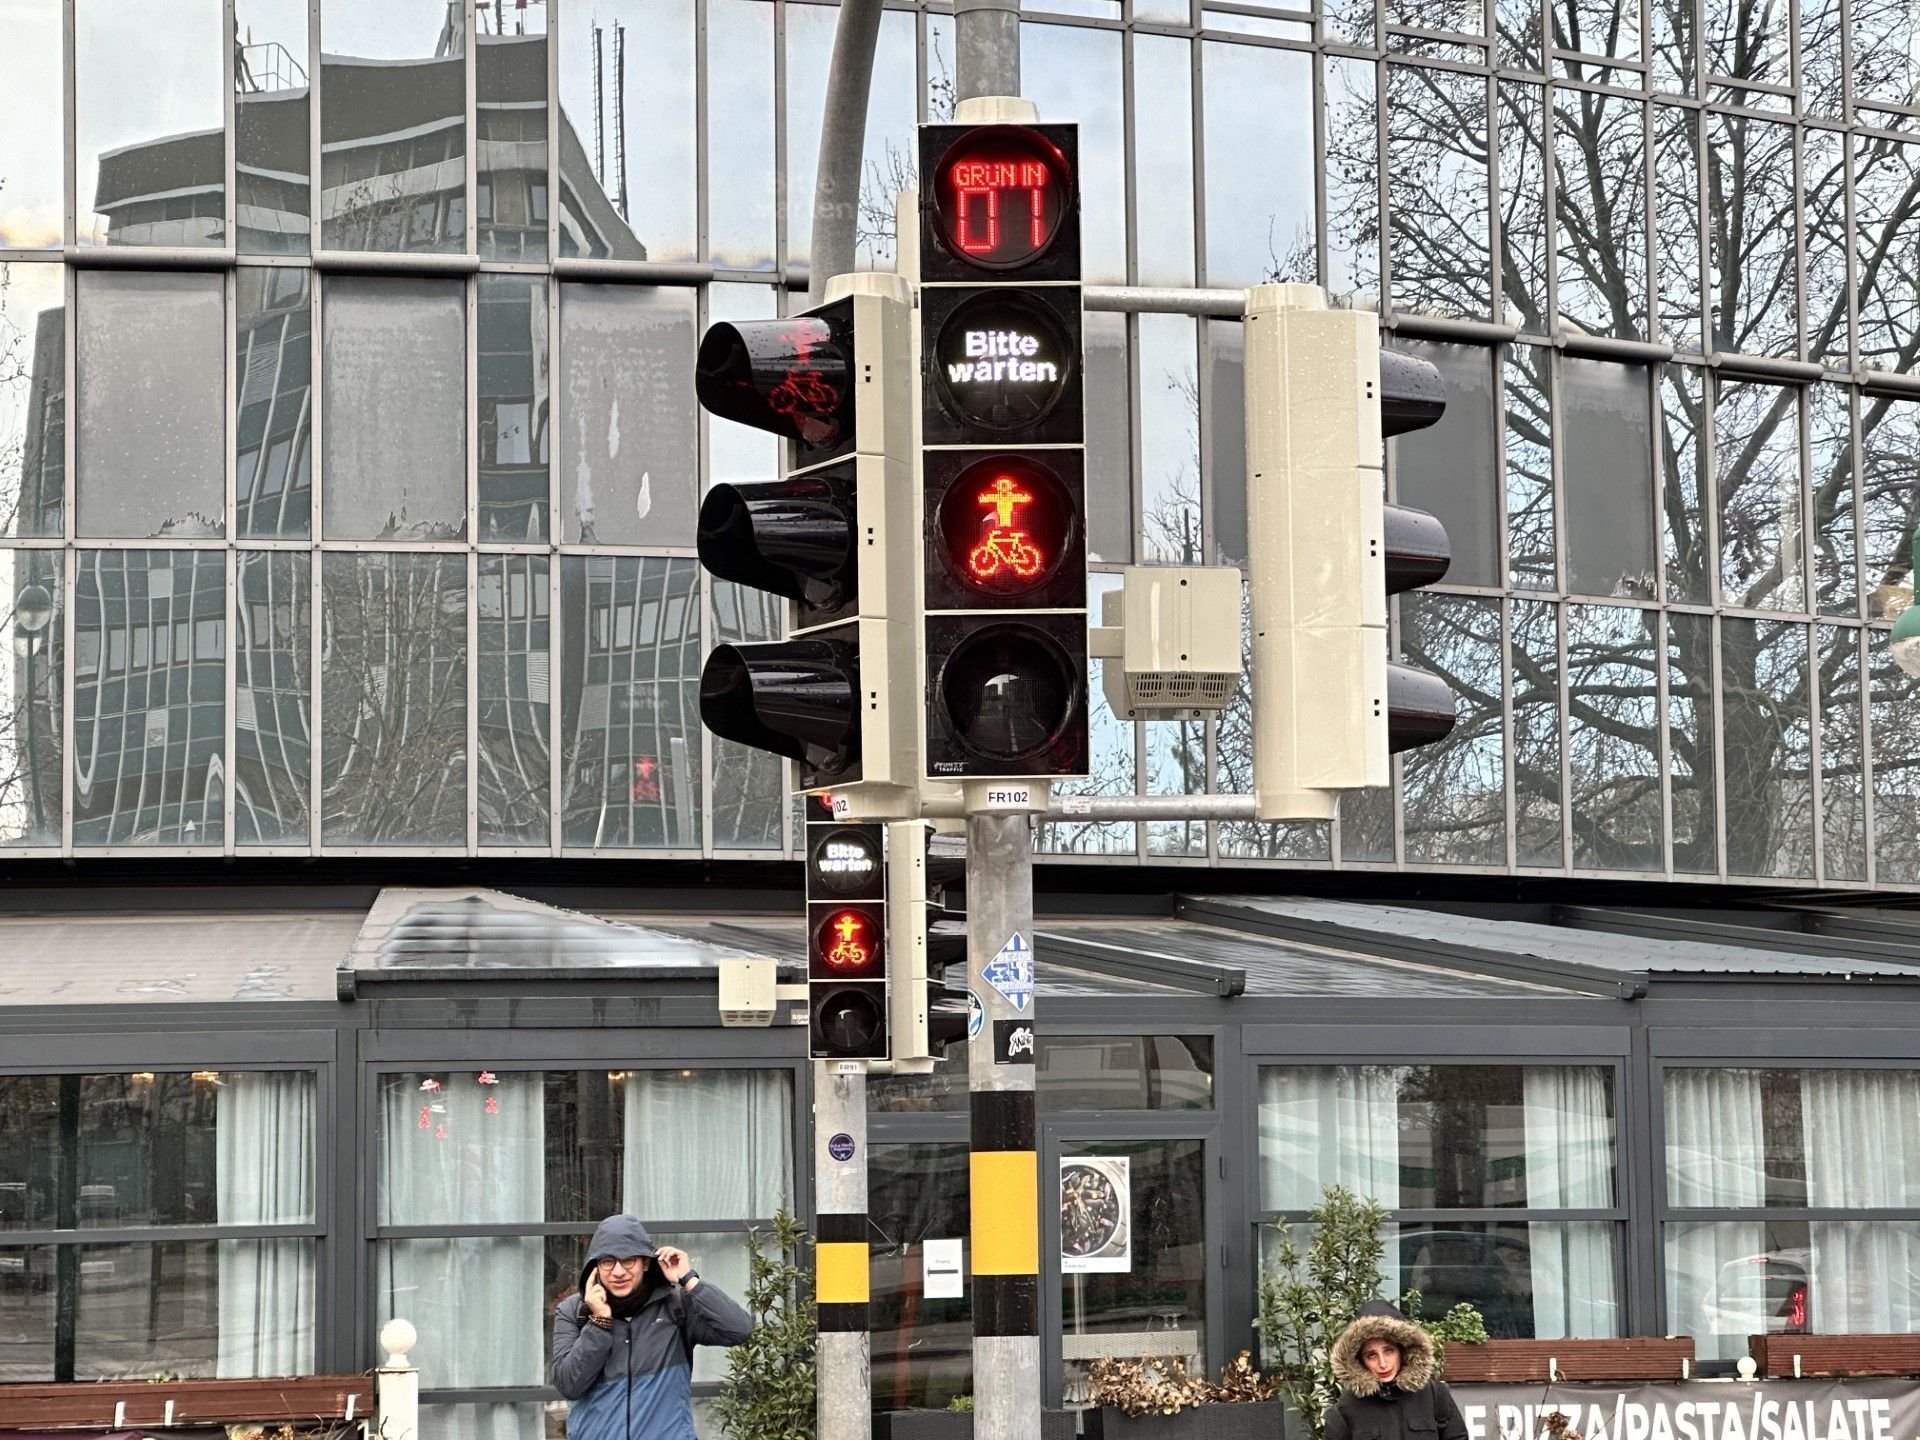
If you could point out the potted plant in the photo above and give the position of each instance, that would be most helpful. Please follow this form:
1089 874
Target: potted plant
769 1390
1313 1294
1144 1400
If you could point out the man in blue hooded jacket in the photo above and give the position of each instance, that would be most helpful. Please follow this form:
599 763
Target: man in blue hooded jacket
623 1347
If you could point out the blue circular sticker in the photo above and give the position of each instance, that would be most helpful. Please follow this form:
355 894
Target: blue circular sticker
840 1146
976 1014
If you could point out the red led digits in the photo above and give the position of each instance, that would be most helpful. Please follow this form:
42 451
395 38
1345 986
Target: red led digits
1005 546
1003 209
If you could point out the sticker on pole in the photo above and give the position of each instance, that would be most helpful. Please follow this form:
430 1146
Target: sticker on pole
1011 972
840 1147
976 1014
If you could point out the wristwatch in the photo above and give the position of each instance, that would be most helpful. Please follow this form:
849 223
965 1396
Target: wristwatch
691 1274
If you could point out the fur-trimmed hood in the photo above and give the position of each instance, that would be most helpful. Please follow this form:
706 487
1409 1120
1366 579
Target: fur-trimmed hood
1378 1320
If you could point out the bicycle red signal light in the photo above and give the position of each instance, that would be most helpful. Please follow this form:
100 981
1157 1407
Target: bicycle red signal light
1005 525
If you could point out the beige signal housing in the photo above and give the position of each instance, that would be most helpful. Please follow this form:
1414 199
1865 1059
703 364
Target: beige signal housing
1171 640
1315 512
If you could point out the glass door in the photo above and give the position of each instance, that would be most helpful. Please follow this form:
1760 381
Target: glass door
1129 1250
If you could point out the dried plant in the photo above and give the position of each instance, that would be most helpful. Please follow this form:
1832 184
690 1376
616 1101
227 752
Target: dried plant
1148 1387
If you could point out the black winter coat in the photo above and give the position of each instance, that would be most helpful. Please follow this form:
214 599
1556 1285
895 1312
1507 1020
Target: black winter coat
1413 1406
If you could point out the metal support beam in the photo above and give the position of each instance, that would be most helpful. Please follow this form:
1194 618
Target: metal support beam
843 135
1004 1172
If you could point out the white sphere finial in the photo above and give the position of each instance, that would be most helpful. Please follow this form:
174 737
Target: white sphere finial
397 1338
1746 1367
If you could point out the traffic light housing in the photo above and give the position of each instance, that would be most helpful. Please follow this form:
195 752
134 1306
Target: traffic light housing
847 992
1002 453
835 383
1325 551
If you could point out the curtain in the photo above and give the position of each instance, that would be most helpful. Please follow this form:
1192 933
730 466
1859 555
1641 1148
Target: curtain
1862 1130
1569 1158
1716 1156
1323 1125
465 1148
264 1142
708 1144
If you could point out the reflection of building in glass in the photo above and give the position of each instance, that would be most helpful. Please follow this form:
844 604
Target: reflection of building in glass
30 612
273 368
515 406
43 460
149 697
273 690
514 609
630 701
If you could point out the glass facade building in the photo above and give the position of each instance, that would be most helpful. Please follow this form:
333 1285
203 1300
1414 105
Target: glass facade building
346 426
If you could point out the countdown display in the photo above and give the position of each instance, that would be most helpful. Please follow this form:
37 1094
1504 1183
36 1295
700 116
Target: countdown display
1001 193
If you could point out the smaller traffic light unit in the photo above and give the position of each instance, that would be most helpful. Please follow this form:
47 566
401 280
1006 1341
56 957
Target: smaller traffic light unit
1326 551
1003 483
846 878
836 383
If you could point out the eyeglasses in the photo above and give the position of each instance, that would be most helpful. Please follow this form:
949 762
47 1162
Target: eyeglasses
630 1262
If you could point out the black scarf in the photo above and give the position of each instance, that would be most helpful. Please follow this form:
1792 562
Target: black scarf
626 1306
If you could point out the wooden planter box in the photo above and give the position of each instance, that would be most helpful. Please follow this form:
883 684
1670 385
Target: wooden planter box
1258 1421
958 1425
1835 1354
1501 1361
300 1400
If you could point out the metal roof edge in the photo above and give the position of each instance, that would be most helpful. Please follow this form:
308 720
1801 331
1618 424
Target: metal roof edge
1814 943
1203 977
1437 954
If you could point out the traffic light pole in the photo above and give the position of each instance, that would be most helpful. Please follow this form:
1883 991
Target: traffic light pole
843 1350
1004 1176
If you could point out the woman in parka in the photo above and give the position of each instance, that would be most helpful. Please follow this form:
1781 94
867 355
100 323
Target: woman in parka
1384 1363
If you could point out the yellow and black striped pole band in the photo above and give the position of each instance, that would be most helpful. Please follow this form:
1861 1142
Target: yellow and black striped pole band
840 1276
1004 1175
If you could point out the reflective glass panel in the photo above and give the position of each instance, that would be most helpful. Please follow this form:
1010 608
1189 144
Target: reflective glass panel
150 138
1823 169
627 132
150 697
922 1346
514 608
272 149
1683 469
1176 761
627 447
1259 177
273 400
748 784
1599 147
740 134
1154 1194
1537 789
1453 792
515 408
499 1342
194 1309
1437 190
1823 80
393 715
273 699
736 453
1887 249
1067 70
396 433
1766 715
393 141
1350 103
1112 768
1163 200
1895 753
586 1121
1754 270
1613 742
33 389
890 150
1170 521
629 701
1449 469
1843 789
27 1310
1676 215
1757 479
1606 440
1747 41
1524 255
1830 463
32 697
150 373
1691 733
1105 343
1885 68
1889 493
510 111
32 188
1530 528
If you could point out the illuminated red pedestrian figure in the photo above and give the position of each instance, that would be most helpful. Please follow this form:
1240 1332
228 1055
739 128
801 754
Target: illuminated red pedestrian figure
1005 547
847 950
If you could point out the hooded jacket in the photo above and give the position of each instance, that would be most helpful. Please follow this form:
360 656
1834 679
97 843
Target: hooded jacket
1411 1406
633 1382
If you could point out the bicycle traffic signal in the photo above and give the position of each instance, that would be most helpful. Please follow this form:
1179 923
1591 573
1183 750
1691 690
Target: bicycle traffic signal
847 1000
1002 456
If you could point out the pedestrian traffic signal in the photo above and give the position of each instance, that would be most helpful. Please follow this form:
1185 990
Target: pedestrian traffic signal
1003 483
1325 551
846 882
836 384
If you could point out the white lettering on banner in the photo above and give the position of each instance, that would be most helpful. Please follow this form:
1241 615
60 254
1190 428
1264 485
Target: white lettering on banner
1862 1409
